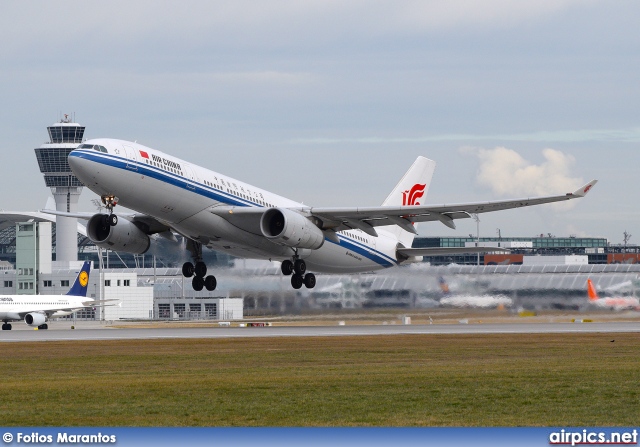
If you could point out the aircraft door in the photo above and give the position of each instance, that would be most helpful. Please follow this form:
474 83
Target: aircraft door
190 176
131 158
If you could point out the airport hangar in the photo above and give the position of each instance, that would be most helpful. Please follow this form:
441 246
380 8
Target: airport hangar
41 253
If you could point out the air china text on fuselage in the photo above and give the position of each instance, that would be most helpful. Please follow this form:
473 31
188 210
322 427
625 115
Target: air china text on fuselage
172 197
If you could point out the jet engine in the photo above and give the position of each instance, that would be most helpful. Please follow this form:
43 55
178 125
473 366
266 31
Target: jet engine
123 236
292 229
34 319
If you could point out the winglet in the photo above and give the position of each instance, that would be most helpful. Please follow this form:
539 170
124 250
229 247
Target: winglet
582 191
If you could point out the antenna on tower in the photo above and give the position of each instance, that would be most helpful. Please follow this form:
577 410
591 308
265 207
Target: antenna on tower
626 237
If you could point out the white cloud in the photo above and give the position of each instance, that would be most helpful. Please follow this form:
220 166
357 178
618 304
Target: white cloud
507 173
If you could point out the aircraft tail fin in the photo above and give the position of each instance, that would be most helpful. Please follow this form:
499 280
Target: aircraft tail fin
411 190
79 287
591 290
443 285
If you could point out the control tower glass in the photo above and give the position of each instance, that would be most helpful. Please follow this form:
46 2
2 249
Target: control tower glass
52 157
71 133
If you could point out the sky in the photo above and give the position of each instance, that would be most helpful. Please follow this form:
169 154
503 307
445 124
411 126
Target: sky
329 102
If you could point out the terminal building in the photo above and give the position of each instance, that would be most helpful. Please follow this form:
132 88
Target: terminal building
42 253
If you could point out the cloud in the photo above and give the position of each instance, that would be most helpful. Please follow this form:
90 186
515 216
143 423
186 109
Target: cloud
507 173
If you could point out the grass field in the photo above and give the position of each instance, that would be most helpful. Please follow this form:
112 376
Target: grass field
400 380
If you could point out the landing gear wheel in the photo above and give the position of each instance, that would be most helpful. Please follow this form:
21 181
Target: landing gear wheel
112 220
299 266
201 269
296 281
210 283
43 326
286 267
197 283
188 269
6 327
310 280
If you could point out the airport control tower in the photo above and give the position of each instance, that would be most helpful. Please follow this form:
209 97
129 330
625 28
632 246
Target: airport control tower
64 136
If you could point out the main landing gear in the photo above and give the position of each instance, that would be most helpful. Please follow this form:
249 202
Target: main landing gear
199 270
6 326
297 269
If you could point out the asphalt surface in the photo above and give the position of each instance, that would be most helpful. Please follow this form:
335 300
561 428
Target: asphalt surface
86 332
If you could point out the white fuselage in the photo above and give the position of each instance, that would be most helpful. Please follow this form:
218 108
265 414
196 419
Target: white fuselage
182 195
13 306
617 303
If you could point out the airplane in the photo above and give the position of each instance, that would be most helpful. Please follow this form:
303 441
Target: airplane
172 197
466 299
36 310
615 303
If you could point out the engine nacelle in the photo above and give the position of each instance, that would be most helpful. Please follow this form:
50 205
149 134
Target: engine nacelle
292 229
34 319
124 236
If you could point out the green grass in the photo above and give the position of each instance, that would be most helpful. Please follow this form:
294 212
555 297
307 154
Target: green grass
402 380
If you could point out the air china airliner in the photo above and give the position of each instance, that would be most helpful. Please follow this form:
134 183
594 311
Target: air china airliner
173 197
35 310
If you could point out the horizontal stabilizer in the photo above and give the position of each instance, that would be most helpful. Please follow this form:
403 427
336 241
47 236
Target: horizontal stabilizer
97 303
443 251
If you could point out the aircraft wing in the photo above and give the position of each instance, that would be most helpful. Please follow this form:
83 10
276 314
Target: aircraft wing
78 214
152 224
366 218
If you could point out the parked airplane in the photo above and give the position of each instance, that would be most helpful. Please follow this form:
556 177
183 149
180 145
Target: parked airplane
209 209
35 310
615 303
466 299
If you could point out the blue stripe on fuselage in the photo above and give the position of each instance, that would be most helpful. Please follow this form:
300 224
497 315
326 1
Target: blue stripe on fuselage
214 194
366 251
163 176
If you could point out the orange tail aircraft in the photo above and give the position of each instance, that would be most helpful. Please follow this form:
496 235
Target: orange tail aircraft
615 303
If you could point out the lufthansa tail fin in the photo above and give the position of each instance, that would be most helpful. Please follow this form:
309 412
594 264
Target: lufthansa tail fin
79 287
411 190
591 290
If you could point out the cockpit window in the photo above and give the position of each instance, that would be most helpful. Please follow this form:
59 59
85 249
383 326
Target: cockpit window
94 147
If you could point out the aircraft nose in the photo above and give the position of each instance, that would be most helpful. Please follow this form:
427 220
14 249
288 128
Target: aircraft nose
78 162
73 159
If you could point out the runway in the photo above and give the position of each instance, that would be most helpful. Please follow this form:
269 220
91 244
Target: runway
313 331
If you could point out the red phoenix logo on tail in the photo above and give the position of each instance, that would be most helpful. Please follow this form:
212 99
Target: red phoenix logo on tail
411 196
